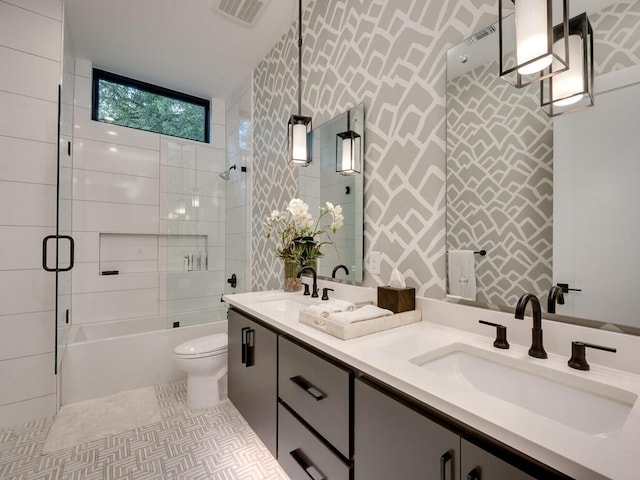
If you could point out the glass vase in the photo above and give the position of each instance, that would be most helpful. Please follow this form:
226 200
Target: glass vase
308 249
291 281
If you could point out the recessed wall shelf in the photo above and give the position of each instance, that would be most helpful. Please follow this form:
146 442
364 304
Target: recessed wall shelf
129 253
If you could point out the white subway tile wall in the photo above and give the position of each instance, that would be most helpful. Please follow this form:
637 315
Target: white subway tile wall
238 187
30 45
141 203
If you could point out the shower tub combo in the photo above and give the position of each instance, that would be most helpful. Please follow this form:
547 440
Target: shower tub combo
108 357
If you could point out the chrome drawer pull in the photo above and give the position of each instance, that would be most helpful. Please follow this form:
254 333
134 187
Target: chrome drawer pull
309 388
311 470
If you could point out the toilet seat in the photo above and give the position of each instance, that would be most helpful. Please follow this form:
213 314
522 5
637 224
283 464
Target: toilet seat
202 347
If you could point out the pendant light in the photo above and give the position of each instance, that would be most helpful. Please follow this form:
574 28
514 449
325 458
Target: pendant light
573 89
348 151
527 51
299 127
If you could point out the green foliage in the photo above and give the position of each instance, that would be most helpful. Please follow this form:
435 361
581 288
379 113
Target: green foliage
135 108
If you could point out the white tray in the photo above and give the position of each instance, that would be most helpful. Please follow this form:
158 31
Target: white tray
359 329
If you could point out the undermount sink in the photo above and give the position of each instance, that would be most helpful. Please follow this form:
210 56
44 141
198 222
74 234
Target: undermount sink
586 405
286 302
282 305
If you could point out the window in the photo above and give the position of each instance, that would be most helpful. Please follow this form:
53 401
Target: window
131 103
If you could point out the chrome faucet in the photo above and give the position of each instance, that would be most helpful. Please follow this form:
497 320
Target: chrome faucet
314 293
338 267
555 295
537 349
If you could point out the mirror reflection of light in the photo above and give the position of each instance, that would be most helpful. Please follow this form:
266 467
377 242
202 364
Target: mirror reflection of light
531 35
113 149
111 132
572 80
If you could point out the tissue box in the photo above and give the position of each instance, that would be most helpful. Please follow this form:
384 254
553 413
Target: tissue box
397 299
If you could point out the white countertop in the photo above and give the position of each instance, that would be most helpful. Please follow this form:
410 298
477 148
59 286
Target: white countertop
386 356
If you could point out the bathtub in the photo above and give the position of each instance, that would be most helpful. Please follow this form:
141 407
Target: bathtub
109 357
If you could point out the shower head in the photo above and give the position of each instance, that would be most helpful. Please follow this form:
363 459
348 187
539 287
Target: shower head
227 173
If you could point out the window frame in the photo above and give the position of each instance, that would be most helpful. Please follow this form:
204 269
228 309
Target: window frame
99 74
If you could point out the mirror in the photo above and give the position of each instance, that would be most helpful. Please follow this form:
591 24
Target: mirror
320 183
512 192
499 175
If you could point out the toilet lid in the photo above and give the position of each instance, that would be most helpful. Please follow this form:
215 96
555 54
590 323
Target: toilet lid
198 346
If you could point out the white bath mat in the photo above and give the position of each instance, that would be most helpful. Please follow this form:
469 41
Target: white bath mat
86 421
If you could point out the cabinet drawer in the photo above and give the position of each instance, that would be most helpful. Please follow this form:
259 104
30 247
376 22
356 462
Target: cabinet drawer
316 390
302 455
252 375
478 464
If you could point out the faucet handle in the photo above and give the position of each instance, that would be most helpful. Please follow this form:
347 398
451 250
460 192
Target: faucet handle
501 334
325 293
578 358
306 289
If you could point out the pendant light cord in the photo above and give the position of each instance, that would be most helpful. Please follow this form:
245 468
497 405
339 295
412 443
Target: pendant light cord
299 57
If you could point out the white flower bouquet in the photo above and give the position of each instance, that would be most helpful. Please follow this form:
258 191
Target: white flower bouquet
292 231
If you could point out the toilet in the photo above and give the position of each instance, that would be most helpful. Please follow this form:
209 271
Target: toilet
205 361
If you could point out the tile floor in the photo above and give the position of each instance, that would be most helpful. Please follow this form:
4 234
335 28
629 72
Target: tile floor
209 444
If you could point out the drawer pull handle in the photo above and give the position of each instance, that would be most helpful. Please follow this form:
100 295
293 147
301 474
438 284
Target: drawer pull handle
244 343
248 340
474 474
444 459
306 465
309 388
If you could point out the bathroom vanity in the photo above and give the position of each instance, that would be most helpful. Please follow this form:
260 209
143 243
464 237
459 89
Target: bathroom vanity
379 407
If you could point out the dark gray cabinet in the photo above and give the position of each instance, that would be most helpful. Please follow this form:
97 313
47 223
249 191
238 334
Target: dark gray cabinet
321 423
314 420
394 441
302 455
318 391
253 357
478 464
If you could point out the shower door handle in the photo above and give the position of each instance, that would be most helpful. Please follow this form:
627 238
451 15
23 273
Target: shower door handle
72 247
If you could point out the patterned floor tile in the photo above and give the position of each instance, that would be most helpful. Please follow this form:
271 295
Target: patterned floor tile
208 444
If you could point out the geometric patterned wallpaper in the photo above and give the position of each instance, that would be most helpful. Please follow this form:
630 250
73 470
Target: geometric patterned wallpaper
616 37
486 206
390 55
500 183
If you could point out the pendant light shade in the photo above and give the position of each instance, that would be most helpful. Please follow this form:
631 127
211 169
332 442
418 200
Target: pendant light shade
572 90
299 127
527 51
348 148
348 151
299 140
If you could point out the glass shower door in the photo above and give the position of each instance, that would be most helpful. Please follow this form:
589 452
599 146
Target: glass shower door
191 243
65 244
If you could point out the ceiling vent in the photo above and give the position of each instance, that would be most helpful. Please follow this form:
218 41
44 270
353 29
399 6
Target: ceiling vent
245 12
481 34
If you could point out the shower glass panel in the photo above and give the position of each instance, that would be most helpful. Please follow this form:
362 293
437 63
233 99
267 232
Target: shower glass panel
63 223
191 244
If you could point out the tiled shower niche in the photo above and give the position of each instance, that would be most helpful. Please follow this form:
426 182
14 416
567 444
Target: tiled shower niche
144 253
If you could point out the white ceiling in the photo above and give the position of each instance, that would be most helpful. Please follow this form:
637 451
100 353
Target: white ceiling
179 44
